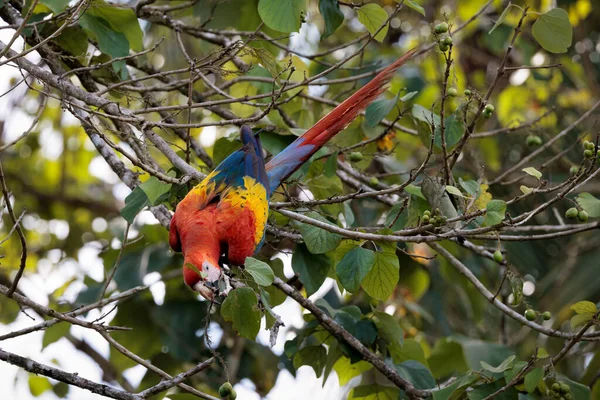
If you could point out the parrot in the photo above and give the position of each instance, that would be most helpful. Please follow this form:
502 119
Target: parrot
222 220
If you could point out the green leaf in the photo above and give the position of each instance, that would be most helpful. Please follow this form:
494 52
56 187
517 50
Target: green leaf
223 148
346 370
553 31
447 358
542 353
517 367
120 19
260 271
533 172
388 328
57 6
330 167
398 220
590 204
314 356
378 110
282 15
354 266
241 308
454 128
480 392
408 96
372 16
381 280
312 268
74 40
61 390
581 319
38 384
583 307
501 18
525 189
134 203
110 42
416 373
154 188
414 5
415 191
374 392
410 349
495 211
54 333
425 115
471 187
319 240
506 364
333 16
454 190
533 378
267 60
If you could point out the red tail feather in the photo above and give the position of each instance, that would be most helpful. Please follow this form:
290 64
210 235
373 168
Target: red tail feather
289 160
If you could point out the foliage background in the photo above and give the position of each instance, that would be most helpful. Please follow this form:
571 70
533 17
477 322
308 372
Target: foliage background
74 229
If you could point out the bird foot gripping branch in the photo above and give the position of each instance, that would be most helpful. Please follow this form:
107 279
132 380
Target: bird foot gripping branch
222 220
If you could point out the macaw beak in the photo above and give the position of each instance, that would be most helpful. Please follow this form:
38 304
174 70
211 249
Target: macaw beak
213 282
204 290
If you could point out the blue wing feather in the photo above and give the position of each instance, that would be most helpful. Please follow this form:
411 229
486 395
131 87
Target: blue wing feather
247 161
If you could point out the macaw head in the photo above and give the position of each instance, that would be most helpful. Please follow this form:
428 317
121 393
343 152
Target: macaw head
202 273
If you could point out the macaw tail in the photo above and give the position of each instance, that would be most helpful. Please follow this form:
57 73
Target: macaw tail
292 157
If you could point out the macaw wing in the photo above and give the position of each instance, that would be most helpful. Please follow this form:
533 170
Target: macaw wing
232 171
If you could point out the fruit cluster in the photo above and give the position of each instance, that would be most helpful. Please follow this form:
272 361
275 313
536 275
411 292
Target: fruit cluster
574 213
560 390
437 219
226 390
531 315
589 149
445 41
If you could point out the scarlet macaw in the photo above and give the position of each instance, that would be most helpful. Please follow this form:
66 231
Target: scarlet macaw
226 213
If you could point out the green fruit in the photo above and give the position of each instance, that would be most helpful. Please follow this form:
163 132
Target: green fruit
427 212
533 140
425 219
588 153
356 156
572 213
233 395
489 108
582 216
589 145
574 170
498 257
441 28
225 389
452 92
448 40
546 315
437 211
530 315
564 388
556 386
486 114
374 181
568 396
467 92
443 47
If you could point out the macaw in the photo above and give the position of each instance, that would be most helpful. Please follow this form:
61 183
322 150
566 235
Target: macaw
223 218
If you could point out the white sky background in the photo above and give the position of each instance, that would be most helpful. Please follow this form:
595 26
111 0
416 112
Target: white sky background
14 381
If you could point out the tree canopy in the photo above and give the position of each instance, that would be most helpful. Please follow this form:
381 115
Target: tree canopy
443 246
